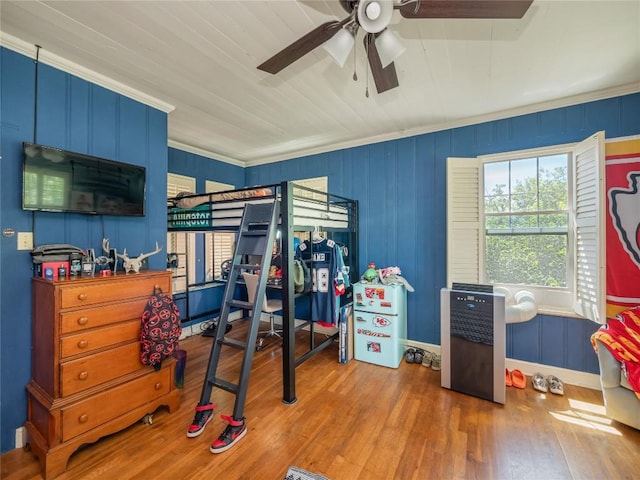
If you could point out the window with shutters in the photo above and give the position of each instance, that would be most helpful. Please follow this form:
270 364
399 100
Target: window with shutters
181 243
218 245
531 220
320 184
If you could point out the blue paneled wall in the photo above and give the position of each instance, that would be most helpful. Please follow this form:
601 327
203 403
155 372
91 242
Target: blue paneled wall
400 185
401 188
79 116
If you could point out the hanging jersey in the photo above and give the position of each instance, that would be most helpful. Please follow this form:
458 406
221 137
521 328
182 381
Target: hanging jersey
327 270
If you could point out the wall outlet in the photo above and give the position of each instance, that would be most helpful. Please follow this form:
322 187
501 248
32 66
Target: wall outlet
25 240
21 435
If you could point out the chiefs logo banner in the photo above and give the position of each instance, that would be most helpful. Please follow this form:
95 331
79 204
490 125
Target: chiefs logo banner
622 166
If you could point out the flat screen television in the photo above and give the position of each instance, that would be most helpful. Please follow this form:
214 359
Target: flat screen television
57 180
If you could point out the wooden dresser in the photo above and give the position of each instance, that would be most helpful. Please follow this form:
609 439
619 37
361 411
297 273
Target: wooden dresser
87 379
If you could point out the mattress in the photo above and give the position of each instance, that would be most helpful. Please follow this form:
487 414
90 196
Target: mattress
228 214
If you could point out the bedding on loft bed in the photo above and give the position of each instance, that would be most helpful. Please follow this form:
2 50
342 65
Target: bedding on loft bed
223 210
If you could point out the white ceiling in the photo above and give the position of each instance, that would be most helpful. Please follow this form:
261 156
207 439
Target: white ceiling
197 60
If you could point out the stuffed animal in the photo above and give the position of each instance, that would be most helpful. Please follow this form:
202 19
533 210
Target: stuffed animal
370 273
391 275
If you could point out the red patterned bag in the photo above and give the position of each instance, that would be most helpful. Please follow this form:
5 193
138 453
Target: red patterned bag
159 330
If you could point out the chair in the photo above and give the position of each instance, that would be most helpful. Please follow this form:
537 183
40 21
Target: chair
620 402
269 306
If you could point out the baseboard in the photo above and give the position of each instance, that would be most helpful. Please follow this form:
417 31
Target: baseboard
196 328
569 377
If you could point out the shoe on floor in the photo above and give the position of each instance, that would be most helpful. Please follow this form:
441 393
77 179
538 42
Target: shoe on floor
507 378
435 362
419 355
427 359
518 379
555 385
540 383
204 414
231 435
410 355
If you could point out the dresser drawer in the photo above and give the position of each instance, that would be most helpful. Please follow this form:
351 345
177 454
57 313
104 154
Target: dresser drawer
82 373
86 318
85 342
93 412
113 291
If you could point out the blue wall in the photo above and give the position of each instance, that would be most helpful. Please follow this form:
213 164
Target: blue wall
400 185
79 116
401 188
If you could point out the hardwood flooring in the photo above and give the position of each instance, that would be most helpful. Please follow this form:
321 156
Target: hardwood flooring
360 422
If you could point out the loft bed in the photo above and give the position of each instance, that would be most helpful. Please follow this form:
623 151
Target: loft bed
302 211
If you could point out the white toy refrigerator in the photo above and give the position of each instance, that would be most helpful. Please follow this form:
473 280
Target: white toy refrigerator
379 323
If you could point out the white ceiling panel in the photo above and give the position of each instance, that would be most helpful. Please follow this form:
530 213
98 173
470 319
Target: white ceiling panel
200 58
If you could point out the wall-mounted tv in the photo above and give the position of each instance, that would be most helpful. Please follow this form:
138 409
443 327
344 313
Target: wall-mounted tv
57 180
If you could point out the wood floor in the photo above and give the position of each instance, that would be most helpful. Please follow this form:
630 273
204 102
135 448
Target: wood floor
360 421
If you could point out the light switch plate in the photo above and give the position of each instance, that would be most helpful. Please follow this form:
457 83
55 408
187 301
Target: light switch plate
25 240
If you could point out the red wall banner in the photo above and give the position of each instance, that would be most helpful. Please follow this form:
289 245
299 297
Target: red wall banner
622 167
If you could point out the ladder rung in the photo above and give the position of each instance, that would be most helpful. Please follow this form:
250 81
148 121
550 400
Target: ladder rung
233 343
224 385
241 304
247 266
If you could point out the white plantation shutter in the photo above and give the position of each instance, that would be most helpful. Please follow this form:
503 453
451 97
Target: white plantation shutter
218 245
589 236
177 242
464 221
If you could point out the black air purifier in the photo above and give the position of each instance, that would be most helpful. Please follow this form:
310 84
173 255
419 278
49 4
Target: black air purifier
473 341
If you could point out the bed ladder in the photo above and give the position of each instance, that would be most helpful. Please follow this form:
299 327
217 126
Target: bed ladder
257 233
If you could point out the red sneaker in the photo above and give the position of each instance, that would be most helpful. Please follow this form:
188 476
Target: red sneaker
204 414
231 435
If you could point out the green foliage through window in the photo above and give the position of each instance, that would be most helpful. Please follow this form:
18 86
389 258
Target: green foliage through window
526 221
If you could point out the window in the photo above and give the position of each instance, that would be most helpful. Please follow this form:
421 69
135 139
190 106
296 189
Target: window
526 218
320 184
180 243
531 220
218 245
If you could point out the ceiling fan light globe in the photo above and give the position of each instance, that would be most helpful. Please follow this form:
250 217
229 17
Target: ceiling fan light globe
339 46
374 15
389 47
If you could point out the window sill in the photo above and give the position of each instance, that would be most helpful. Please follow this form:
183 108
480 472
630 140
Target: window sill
558 312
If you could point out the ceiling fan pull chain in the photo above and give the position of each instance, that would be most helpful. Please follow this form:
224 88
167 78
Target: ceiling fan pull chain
355 75
366 48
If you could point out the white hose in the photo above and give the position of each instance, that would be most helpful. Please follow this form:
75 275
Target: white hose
520 307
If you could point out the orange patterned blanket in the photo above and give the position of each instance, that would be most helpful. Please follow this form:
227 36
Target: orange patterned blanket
621 335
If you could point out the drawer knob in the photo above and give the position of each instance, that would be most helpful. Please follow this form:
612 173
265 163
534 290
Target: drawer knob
83 375
82 296
83 418
83 343
83 320
158 386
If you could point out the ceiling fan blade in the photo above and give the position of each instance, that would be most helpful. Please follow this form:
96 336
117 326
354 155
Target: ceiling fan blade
464 8
385 78
301 47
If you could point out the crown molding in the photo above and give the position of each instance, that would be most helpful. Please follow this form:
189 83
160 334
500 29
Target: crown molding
206 153
603 94
53 60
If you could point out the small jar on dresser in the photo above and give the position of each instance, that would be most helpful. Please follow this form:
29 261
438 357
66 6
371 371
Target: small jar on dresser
87 380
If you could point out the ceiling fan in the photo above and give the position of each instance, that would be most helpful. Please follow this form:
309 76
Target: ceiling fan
382 46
